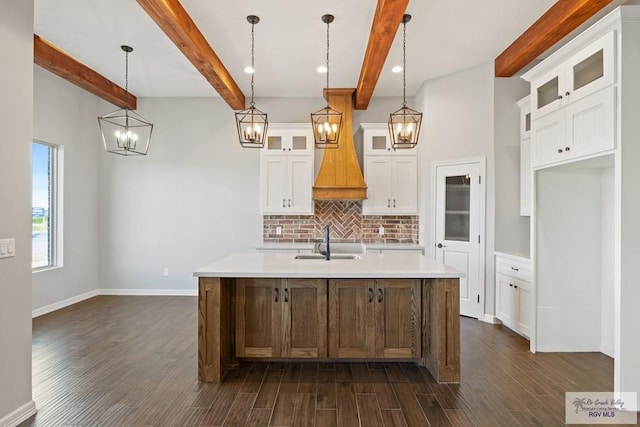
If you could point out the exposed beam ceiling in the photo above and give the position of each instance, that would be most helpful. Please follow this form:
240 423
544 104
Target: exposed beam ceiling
562 18
58 62
383 30
176 23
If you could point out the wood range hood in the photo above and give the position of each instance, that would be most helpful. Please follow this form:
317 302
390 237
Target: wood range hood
340 176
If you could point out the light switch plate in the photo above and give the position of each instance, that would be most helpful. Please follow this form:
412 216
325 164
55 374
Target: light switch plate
7 248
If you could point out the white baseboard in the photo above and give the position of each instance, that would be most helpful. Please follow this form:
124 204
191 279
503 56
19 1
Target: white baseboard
607 350
64 303
150 292
19 415
489 318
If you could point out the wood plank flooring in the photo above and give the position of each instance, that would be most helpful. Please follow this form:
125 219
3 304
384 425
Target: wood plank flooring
132 361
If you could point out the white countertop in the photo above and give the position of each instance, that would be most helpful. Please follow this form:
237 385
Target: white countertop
282 265
516 256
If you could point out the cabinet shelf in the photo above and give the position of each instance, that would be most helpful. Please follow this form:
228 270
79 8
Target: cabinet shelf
457 212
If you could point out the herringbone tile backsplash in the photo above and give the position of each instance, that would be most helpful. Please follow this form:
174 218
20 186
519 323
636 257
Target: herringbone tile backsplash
347 223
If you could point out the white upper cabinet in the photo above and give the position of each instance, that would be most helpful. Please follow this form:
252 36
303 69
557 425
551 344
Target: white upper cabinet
587 71
289 138
391 175
377 141
573 101
286 170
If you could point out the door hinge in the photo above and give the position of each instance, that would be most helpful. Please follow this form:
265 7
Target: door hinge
478 239
478 298
479 179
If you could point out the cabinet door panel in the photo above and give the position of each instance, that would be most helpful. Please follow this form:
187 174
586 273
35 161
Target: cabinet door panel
274 178
547 137
523 297
351 318
405 185
505 308
378 178
590 123
397 317
258 318
300 175
592 69
305 318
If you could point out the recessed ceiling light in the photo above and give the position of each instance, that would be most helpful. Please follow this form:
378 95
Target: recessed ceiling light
322 69
396 69
249 70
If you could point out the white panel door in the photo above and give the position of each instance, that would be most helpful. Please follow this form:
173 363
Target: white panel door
299 199
405 185
274 177
378 178
548 139
590 123
457 232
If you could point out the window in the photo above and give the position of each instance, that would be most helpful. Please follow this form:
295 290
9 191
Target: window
45 215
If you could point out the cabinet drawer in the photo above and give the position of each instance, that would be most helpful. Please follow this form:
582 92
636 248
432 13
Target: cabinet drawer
513 268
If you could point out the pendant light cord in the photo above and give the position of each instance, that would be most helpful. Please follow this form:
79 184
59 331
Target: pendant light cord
252 61
404 64
126 79
328 55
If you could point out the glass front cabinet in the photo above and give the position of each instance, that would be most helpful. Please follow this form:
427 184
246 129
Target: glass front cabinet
586 72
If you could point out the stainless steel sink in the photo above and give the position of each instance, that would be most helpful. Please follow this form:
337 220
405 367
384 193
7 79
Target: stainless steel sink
321 257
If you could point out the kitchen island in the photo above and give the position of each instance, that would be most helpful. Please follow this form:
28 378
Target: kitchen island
375 307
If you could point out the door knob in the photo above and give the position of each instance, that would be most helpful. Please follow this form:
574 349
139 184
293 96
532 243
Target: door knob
440 246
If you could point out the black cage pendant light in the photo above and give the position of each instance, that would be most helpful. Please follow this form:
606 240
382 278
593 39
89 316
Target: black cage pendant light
404 124
125 132
327 122
252 123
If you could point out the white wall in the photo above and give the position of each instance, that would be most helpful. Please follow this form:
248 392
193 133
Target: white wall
458 123
195 198
67 115
16 117
512 230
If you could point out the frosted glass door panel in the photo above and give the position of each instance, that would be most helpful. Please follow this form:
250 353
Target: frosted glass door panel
457 203
589 70
548 92
274 143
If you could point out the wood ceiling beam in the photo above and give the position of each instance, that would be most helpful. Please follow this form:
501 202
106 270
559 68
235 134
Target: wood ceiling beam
385 25
60 63
561 18
176 23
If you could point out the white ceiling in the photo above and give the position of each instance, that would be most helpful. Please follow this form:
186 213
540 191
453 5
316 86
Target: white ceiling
443 36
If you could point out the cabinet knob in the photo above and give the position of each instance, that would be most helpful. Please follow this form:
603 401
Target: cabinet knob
559 150
559 96
276 294
379 294
515 286
370 295
289 149
394 203
567 148
284 149
388 203
289 202
286 295
511 285
284 205
515 269
567 93
388 149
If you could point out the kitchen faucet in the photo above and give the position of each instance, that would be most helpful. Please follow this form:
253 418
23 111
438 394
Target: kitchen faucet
327 248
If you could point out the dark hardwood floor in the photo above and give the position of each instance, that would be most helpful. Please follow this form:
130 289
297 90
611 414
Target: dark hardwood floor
132 361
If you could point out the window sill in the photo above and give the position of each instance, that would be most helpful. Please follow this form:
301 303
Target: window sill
45 269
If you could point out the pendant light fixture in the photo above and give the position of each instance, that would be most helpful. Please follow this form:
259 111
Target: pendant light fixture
326 122
252 123
404 124
124 132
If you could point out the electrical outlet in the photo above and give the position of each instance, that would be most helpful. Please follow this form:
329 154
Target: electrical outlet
7 248
278 230
165 272
381 231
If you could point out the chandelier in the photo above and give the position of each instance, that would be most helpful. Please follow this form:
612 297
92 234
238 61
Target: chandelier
125 132
404 124
252 123
326 122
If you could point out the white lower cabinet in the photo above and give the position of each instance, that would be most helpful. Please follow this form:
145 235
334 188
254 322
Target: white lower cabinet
513 293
